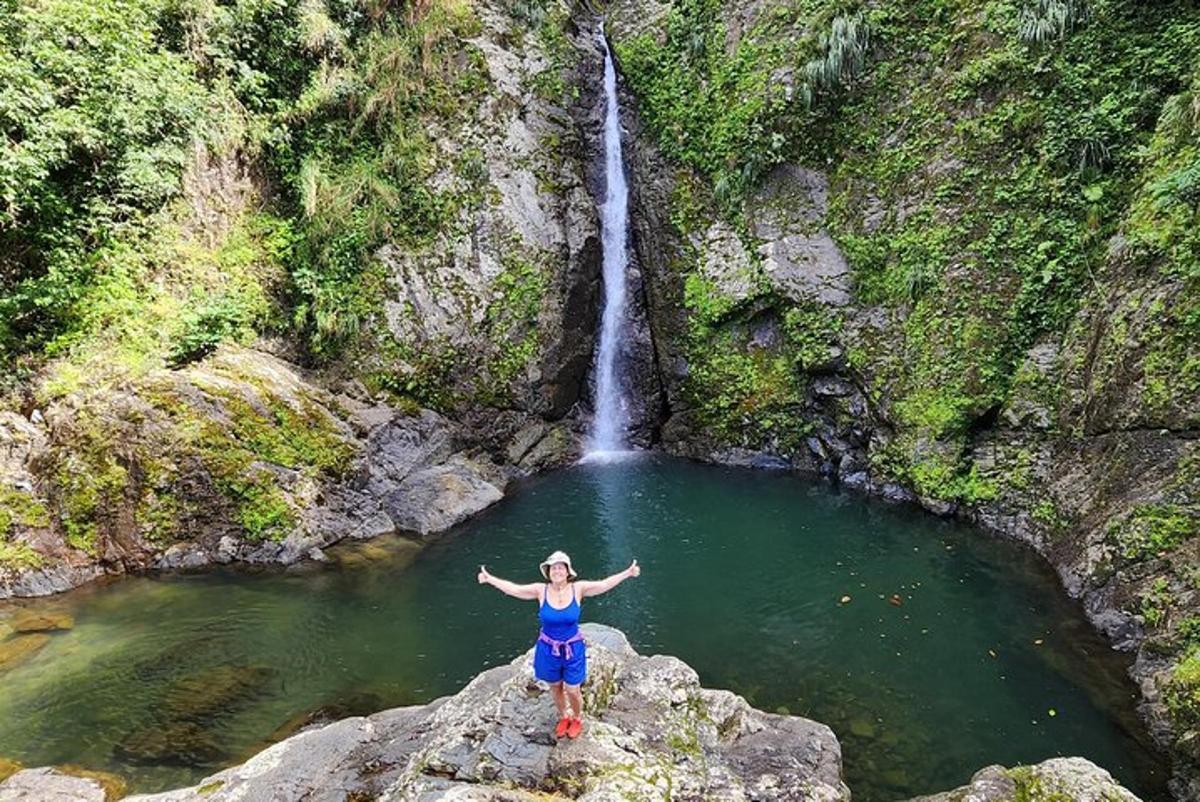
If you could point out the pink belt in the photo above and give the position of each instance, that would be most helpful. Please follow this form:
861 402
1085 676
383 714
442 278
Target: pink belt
556 645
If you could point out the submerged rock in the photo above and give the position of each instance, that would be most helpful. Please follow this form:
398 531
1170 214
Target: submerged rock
44 621
1071 779
204 694
651 732
17 650
174 743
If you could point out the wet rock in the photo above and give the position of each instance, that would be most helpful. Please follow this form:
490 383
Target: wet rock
651 732
48 580
938 506
1067 778
184 555
17 650
360 704
558 447
50 785
745 458
894 492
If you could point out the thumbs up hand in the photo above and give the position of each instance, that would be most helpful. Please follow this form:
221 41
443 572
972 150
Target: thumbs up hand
484 576
634 569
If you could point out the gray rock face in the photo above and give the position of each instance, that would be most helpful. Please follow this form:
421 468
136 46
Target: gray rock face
1066 778
651 733
799 257
439 497
49 785
507 296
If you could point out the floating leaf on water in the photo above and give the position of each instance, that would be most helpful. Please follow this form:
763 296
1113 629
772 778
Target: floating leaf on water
992 652
1038 642
1052 712
895 600
844 600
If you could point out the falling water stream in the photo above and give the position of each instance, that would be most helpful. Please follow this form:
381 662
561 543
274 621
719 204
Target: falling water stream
608 428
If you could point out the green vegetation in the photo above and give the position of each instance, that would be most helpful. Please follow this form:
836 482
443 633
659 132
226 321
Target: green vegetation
143 462
981 159
511 320
1182 693
1155 602
1031 788
1153 529
730 115
121 114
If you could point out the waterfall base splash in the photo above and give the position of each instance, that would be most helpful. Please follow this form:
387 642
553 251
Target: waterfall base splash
608 457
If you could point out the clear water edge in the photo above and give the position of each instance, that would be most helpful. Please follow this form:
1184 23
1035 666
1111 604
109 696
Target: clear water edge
921 694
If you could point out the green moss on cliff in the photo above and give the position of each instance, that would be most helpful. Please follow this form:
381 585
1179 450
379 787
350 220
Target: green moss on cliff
1182 693
978 172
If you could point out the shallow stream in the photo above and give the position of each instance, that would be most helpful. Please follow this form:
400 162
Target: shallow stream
954 651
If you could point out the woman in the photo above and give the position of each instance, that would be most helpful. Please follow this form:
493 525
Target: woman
560 656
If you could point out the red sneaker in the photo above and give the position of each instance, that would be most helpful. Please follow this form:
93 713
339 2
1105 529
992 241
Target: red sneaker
574 728
561 728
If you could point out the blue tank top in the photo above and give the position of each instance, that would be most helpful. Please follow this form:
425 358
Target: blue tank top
559 624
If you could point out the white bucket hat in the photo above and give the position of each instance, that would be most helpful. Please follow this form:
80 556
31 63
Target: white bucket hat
557 557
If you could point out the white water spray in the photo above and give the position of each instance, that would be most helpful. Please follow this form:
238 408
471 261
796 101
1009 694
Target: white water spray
612 407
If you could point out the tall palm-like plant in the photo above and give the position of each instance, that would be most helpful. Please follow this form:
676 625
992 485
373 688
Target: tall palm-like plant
843 55
1050 20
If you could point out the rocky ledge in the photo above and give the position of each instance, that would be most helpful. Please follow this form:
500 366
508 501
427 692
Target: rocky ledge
652 734
240 458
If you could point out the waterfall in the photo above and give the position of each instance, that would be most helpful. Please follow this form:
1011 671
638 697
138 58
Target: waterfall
608 427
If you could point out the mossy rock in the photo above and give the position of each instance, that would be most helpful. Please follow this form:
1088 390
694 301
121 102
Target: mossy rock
20 649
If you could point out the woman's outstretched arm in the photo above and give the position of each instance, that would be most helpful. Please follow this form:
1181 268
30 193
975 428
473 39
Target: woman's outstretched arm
605 585
509 588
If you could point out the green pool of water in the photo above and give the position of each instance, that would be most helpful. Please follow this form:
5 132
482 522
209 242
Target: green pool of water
165 678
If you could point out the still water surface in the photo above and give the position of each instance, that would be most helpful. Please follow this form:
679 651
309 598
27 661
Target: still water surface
165 678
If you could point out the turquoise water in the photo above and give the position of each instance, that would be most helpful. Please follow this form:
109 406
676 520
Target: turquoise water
743 573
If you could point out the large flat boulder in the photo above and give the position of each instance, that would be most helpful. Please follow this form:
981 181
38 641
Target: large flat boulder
652 733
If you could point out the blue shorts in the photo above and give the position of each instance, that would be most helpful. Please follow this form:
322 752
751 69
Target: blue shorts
549 668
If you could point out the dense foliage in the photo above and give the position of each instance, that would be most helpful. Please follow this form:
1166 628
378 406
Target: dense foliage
111 110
